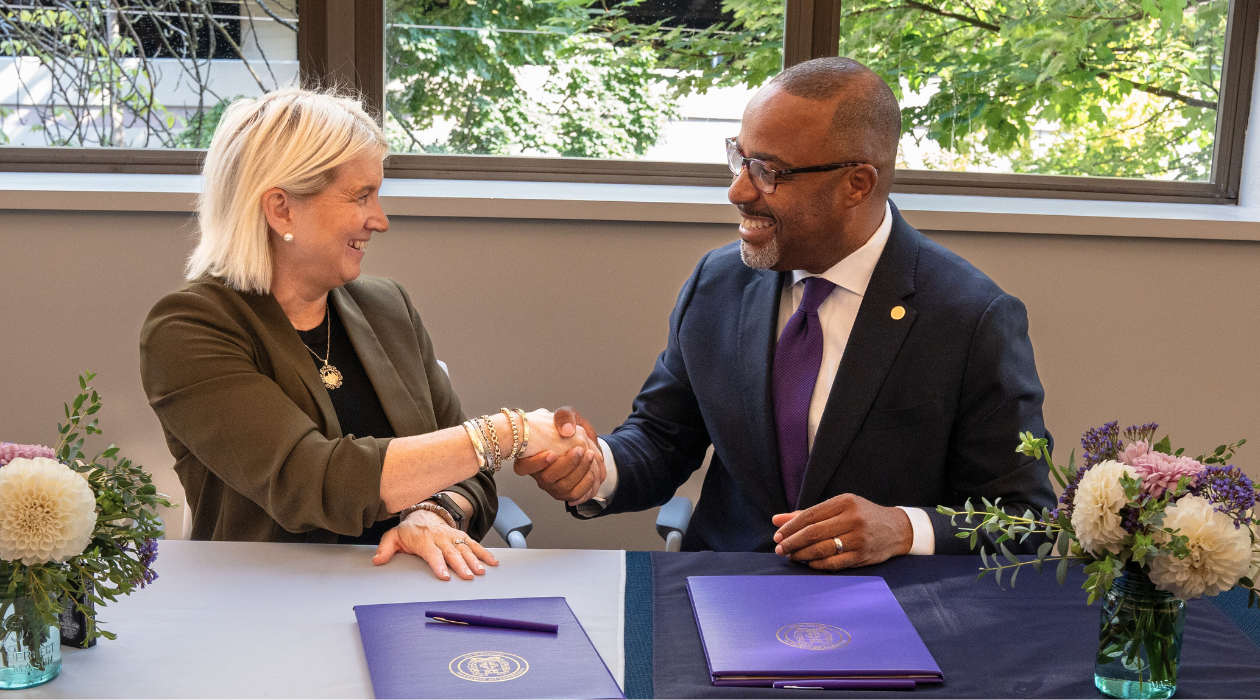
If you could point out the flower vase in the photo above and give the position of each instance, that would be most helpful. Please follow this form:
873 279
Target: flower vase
1139 639
30 652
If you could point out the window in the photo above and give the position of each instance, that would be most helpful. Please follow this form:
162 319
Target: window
136 73
1115 88
661 80
1126 99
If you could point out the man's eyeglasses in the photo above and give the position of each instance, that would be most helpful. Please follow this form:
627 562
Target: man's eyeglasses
766 178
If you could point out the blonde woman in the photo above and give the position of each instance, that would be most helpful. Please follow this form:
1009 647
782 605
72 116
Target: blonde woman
301 401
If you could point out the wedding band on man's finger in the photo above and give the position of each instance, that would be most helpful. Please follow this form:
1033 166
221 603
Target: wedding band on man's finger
838 543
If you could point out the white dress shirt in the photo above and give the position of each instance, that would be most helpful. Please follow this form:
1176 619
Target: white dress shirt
836 315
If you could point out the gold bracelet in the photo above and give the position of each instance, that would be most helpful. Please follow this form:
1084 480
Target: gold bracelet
491 467
494 441
476 444
516 434
524 431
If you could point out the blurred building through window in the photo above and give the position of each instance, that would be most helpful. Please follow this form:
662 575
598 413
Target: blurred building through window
136 73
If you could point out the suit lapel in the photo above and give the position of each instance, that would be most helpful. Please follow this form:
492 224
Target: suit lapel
758 320
873 345
288 345
404 416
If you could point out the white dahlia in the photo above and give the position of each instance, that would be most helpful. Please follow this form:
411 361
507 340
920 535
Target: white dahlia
1220 553
47 511
1254 572
1096 507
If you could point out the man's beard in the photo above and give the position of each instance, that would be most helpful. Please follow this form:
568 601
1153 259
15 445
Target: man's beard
763 258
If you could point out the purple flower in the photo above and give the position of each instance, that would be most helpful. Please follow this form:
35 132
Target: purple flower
1069 494
10 451
1141 433
1161 472
147 554
1101 444
1232 492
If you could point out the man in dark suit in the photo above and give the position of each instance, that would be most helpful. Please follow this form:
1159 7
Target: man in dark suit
849 373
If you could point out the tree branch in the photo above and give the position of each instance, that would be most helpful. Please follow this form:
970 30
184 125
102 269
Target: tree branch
1161 92
953 15
1143 87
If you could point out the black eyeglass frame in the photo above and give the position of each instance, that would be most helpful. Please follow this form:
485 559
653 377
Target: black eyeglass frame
732 150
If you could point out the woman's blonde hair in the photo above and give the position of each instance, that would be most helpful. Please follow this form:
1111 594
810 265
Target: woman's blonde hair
293 139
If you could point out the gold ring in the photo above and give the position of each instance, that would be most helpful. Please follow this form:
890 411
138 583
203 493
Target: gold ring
839 544
459 542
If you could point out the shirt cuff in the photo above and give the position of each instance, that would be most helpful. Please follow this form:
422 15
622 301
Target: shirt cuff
606 490
924 535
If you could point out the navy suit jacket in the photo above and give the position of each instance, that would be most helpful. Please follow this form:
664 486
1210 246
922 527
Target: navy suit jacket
924 410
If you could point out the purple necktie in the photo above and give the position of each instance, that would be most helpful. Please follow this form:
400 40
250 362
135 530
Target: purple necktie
796 362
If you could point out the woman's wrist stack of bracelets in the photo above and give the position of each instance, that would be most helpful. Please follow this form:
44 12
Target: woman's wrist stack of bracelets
485 439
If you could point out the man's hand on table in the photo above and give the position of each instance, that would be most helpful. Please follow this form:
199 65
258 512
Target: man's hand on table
575 476
870 533
427 536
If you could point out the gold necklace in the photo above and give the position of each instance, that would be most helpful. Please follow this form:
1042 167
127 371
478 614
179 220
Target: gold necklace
328 374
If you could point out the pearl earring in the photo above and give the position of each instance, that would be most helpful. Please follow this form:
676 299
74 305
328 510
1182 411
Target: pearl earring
288 238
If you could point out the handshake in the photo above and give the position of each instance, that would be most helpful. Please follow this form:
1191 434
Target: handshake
564 456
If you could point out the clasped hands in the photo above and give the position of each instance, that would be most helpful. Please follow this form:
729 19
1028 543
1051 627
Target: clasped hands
869 533
563 457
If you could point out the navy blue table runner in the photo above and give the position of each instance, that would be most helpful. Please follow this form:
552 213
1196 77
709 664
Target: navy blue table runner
1036 640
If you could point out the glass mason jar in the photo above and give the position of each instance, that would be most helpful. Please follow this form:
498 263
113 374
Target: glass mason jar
1139 639
30 653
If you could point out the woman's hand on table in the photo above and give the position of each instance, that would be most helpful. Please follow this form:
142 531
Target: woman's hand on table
443 547
568 463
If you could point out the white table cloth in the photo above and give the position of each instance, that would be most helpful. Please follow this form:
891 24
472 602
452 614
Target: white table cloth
236 619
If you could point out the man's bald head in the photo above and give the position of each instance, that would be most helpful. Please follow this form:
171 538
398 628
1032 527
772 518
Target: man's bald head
867 120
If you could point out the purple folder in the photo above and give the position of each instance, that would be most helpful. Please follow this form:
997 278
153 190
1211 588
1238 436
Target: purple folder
803 631
411 656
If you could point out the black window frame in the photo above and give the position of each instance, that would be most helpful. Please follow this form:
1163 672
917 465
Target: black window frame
353 55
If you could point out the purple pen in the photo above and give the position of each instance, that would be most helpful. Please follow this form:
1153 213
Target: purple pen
484 621
848 684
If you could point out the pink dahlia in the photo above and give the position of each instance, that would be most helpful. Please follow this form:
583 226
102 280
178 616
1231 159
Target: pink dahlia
1161 472
10 451
1133 452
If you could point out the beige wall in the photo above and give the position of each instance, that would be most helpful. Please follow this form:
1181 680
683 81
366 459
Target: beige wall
537 313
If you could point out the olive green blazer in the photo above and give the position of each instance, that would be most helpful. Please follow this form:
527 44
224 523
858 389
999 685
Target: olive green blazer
256 441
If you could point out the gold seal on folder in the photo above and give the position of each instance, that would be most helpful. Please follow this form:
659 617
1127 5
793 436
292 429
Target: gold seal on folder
814 636
488 666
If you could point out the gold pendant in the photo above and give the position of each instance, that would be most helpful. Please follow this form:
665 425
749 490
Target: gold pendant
330 375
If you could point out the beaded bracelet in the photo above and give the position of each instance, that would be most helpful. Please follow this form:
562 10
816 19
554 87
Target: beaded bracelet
516 435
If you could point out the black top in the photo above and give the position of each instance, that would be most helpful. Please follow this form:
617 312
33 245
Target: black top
358 408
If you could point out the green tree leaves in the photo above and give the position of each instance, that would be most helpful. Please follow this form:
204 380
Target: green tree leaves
1069 87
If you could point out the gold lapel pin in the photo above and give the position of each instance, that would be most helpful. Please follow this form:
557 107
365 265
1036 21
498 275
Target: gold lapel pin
898 313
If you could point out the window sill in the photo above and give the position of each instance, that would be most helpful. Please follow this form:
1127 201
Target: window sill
653 203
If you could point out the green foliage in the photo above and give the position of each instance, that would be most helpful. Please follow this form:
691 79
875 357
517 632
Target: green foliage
1223 454
746 51
1125 88
1148 539
200 128
126 521
560 77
